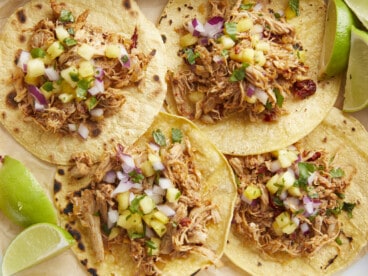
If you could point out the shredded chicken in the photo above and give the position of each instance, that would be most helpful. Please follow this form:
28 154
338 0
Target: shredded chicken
205 91
59 116
185 232
254 220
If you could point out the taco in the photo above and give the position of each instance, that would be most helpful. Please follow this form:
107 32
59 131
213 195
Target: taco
76 76
246 75
300 210
161 206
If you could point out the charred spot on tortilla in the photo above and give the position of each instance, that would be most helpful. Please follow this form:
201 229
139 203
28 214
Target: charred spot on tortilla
259 264
92 271
10 99
84 262
3 115
61 171
330 262
353 129
81 246
57 186
68 209
39 6
153 52
21 16
75 233
156 78
195 273
16 130
164 38
22 38
127 4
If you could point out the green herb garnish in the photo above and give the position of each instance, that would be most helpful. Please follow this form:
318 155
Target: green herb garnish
48 86
38 53
70 41
134 205
239 74
176 135
348 207
337 173
136 177
246 6
294 6
159 137
230 29
91 103
305 170
279 97
191 56
66 16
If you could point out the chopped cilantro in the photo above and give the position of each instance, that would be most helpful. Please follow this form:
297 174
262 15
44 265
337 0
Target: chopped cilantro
230 29
277 15
124 59
225 53
70 41
81 93
246 6
134 205
348 207
48 86
66 16
176 135
340 195
268 105
84 84
305 170
336 173
334 211
294 6
91 103
151 246
136 177
71 31
38 53
159 137
277 201
191 56
74 76
239 74
338 241
135 235
279 97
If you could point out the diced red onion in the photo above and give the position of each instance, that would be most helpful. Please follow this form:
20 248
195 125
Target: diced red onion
128 162
122 187
283 195
149 233
261 95
112 217
110 177
52 74
158 166
274 166
257 29
154 147
316 204
291 203
257 7
131 197
167 210
137 186
24 57
296 221
38 106
213 27
217 58
165 183
304 227
122 176
246 200
308 205
157 199
311 178
83 131
250 90
195 27
99 73
36 93
98 87
157 190
97 112
72 127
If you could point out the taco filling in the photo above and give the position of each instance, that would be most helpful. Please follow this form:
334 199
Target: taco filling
74 72
290 200
246 59
150 199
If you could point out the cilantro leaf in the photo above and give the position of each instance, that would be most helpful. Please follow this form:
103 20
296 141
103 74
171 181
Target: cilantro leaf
134 205
230 29
246 6
305 170
239 74
294 6
66 16
337 172
348 207
191 56
279 97
159 137
176 135
136 177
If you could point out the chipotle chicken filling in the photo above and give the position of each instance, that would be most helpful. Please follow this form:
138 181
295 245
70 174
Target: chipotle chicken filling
241 60
74 72
150 199
289 200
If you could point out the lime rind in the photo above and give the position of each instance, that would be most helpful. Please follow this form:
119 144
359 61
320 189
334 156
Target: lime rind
356 87
35 244
336 40
360 9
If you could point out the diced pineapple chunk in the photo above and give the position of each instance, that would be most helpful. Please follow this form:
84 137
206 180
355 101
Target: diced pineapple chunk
147 169
148 218
32 80
113 51
294 191
259 58
154 246
161 217
290 228
67 74
262 46
283 220
301 54
287 157
131 222
61 33
187 40
287 179
123 201
277 229
252 192
252 99
86 51
272 184
115 231
65 87
147 205
244 24
86 69
227 42
35 68
65 97
172 194
55 50
247 55
158 227
195 96
289 13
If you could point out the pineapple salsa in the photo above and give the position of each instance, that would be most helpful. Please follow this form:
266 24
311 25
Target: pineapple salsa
289 200
73 72
247 60
150 197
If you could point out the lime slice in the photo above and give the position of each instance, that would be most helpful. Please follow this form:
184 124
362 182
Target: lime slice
356 87
360 9
33 245
22 198
336 40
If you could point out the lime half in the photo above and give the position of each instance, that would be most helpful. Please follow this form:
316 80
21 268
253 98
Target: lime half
356 87
360 9
22 198
34 245
336 40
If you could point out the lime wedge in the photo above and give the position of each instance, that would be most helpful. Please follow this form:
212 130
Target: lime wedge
33 245
22 198
356 87
336 40
360 9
